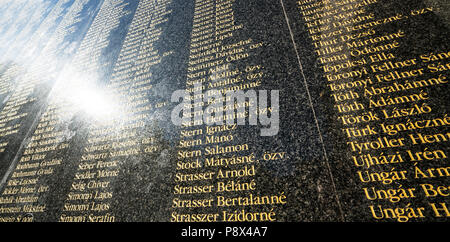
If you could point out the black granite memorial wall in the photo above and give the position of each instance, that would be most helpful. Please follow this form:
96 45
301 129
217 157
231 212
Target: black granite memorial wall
119 111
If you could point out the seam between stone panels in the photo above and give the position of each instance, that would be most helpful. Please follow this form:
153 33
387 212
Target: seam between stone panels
313 111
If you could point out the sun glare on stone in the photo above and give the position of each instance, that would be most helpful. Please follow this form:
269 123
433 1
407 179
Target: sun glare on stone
82 94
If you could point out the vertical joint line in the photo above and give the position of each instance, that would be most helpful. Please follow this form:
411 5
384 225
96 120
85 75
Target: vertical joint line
313 111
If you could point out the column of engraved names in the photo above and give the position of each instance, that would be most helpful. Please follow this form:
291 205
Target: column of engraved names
90 191
27 79
7 78
215 179
383 102
6 86
110 143
11 112
26 188
49 57
38 38
132 76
